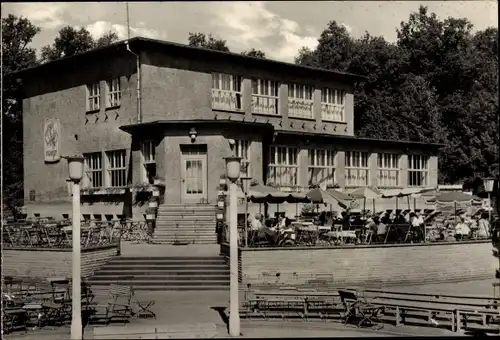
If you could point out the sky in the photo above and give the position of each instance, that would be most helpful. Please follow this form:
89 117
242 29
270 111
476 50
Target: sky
279 28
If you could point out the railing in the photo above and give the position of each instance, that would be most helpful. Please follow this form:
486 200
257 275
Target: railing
355 235
357 177
59 234
226 100
332 112
388 178
283 175
264 104
301 108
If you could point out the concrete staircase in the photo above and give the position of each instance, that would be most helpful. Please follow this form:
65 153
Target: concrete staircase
186 224
165 273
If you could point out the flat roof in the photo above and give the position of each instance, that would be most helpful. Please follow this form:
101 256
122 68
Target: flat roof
362 139
140 43
134 127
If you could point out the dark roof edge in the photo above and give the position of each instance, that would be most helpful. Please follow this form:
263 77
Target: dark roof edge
354 138
137 41
130 127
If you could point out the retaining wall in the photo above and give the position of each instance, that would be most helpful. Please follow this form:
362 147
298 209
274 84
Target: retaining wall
49 262
370 265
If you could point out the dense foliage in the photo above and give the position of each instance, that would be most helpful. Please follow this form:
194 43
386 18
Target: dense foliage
437 83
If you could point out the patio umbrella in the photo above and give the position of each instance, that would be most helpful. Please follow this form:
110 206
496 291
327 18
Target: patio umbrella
454 197
319 195
365 193
342 196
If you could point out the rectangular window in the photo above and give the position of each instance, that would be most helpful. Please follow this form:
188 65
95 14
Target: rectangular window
357 169
117 168
114 94
332 105
265 95
93 97
388 170
242 149
418 170
226 92
321 167
93 169
149 161
283 167
300 101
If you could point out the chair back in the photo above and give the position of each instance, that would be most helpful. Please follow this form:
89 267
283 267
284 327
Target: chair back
120 294
348 297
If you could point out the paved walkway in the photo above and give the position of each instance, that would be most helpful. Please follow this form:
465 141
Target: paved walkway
152 250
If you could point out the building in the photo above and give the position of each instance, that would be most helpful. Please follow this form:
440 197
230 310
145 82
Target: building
146 109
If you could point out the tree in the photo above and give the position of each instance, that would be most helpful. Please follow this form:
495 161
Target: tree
71 41
17 35
437 83
204 41
254 53
106 39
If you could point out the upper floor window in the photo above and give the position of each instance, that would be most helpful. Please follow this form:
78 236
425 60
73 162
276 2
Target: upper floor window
283 167
93 97
388 170
113 91
332 105
265 96
321 167
300 101
117 168
226 92
149 161
418 170
357 169
242 149
93 169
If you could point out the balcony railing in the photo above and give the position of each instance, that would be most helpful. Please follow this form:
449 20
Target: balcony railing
226 100
332 112
283 176
264 104
357 177
388 178
302 108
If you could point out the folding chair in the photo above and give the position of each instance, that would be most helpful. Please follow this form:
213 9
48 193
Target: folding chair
358 308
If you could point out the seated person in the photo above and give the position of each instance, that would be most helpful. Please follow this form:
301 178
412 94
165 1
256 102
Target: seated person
483 226
370 229
462 230
382 229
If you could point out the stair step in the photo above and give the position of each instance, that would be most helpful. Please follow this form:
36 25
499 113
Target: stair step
166 283
141 272
159 266
164 278
104 287
167 260
200 234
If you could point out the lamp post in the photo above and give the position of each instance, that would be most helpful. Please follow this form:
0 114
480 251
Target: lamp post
75 167
233 173
488 187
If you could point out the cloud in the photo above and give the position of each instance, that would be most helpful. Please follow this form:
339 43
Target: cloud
251 25
99 28
45 15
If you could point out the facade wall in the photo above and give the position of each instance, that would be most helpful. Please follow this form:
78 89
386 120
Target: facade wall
363 265
44 263
172 88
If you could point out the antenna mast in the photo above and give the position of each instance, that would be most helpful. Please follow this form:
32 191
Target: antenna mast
128 22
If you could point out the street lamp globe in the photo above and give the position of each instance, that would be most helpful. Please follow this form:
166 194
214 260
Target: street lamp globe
488 184
75 167
233 167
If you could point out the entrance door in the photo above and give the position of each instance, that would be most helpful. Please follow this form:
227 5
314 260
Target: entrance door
194 177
